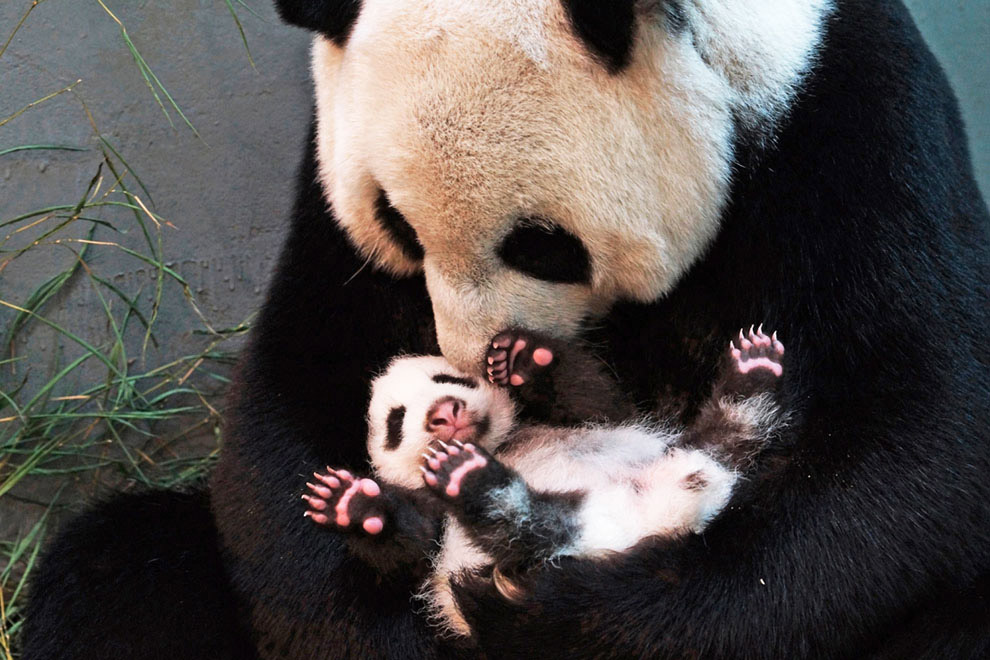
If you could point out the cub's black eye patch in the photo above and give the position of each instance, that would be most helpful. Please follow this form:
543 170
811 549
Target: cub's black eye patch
393 424
398 227
551 254
440 379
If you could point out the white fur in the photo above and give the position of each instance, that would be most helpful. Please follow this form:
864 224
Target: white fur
636 484
472 115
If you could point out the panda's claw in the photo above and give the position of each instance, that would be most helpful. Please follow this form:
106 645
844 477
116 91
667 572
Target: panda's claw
345 503
517 357
447 478
754 363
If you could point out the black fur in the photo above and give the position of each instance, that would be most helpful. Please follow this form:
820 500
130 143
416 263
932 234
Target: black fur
859 234
393 424
455 380
554 255
398 227
170 599
607 28
333 18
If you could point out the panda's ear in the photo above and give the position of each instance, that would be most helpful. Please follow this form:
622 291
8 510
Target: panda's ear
332 18
606 27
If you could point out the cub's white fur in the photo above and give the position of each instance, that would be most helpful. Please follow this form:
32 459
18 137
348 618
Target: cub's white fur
472 115
635 483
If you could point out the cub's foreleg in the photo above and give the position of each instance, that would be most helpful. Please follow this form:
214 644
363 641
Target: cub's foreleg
555 381
390 528
509 521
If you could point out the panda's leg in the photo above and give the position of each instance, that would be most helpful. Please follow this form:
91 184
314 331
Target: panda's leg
742 414
555 381
508 520
390 528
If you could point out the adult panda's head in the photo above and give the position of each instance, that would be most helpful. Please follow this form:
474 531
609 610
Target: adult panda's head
539 159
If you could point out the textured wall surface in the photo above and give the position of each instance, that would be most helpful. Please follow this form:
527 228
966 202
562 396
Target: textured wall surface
228 193
958 31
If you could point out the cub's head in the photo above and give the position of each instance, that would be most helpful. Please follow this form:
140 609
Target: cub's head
538 160
418 399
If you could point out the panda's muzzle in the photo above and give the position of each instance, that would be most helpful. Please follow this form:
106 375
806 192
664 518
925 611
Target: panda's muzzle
450 419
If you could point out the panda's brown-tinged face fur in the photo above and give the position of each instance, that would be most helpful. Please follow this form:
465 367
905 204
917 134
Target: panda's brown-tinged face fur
484 145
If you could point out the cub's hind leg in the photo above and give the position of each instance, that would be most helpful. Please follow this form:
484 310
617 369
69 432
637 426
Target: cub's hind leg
742 414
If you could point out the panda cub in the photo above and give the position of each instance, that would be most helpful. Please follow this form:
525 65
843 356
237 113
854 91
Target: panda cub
452 465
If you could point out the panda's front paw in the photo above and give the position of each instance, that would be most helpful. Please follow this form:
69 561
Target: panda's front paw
517 357
448 466
346 503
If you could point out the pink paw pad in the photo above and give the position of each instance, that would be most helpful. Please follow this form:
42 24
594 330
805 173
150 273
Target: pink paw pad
513 359
448 465
756 351
338 498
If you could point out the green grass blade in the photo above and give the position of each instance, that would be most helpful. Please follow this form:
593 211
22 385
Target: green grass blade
40 147
240 28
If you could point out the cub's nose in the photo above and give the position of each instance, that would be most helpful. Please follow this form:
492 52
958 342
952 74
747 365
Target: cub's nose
447 414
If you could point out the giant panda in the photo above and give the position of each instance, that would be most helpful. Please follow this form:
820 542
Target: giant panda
644 176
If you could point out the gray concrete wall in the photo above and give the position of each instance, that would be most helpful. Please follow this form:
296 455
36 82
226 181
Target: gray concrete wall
958 32
228 192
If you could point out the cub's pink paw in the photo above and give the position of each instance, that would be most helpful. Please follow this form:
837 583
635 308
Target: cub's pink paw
516 357
447 465
340 501
756 352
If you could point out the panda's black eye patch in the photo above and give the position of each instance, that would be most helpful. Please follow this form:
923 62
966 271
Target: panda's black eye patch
547 253
398 227
440 379
393 425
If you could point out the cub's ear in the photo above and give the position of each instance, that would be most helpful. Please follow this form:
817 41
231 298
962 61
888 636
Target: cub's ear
332 18
606 27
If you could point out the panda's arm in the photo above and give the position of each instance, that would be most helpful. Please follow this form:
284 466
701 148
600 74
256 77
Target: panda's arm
514 524
390 528
555 381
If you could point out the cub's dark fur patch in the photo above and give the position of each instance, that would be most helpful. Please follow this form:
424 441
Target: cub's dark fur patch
334 18
441 379
393 423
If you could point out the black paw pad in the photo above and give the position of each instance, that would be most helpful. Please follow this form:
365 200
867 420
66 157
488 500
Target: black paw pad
516 358
341 501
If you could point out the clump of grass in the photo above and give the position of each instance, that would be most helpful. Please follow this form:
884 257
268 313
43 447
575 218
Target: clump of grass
112 409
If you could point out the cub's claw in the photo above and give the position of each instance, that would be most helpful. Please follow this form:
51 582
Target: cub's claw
340 501
515 358
444 472
757 351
